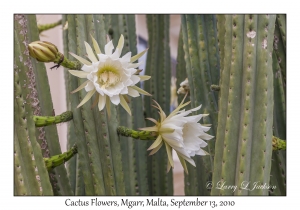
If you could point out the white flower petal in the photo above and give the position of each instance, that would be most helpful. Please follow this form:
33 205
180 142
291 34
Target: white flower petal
169 152
82 60
120 44
90 86
87 68
143 77
86 98
80 74
115 55
135 79
108 48
133 92
156 143
115 99
96 46
80 87
134 58
124 104
134 65
90 52
101 102
126 58
140 90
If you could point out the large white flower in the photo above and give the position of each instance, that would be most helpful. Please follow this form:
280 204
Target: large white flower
109 76
180 132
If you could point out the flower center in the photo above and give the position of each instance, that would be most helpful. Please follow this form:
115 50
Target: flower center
108 75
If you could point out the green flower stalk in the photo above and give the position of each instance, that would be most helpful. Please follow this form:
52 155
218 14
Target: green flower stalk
58 160
44 27
278 144
47 52
41 121
142 135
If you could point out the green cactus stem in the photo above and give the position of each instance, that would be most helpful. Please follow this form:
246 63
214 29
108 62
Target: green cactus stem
243 149
278 144
41 121
58 160
134 152
42 101
158 66
30 174
142 135
44 27
199 34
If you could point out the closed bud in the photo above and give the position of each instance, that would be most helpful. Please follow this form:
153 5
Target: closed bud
44 51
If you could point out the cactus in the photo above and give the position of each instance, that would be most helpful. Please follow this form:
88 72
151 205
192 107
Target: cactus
278 168
134 152
158 67
31 176
244 135
202 68
234 65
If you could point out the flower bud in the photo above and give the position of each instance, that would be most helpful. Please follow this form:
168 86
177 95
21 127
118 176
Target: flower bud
43 51
184 87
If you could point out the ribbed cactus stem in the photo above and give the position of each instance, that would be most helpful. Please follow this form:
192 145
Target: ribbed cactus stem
58 160
244 136
44 27
142 135
41 121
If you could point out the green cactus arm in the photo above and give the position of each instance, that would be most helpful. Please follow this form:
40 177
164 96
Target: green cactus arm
280 52
72 82
44 27
245 119
82 22
202 67
134 167
48 136
25 107
139 158
221 39
223 96
72 166
281 23
116 161
158 67
181 74
58 160
278 168
21 186
117 27
41 121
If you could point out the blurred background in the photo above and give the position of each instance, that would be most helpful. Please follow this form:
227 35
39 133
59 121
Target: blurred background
57 83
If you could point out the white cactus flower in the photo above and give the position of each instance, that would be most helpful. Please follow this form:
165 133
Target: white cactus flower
180 132
108 75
